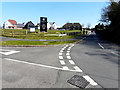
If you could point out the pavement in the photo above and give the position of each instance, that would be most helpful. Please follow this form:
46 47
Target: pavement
93 58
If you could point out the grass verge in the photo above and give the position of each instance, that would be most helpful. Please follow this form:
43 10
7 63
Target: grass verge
5 43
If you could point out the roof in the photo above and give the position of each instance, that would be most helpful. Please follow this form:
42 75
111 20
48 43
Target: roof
51 23
12 22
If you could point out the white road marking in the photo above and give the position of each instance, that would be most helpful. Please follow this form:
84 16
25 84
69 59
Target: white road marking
60 53
8 52
77 68
65 68
68 57
41 65
92 82
100 45
68 51
60 57
62 62
114 53
72 62
67 54
62 49
73 45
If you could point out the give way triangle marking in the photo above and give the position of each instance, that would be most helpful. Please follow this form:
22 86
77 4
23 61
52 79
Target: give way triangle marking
7 52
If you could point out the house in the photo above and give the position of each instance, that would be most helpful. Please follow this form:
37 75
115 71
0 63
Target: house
72 26
10 24
20 26
51 25
28 25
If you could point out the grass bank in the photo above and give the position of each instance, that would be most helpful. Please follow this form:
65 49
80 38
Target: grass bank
35 42
51 34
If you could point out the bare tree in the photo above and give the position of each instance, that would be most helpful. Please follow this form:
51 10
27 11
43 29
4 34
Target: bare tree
82 25
88 25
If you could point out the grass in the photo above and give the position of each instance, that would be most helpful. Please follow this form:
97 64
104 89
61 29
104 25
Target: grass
51 34
35 42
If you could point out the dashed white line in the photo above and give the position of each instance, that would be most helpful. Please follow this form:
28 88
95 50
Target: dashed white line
62 49
77 68
67 54
60 53
72 62
68 51
62 62
68 57
92 82
100 45
65 68
60 57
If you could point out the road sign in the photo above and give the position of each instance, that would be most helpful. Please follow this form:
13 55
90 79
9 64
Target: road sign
43 24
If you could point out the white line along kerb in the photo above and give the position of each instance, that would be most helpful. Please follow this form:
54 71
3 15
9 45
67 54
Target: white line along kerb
92 82
60 57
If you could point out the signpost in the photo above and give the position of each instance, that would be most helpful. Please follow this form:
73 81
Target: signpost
43 24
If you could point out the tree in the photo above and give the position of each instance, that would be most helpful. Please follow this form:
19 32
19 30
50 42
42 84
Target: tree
111 17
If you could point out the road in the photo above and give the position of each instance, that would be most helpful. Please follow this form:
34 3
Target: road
93 58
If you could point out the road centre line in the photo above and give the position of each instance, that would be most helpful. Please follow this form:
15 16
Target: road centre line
92 82
77 68
100 45
41 65
62 62
60 57
72 62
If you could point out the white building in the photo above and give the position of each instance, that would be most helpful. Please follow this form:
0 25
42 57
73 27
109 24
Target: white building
51 25
10 24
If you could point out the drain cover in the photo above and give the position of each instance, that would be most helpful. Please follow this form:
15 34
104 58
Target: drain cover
78 81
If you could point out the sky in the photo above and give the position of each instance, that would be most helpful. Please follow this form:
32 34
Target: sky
59 12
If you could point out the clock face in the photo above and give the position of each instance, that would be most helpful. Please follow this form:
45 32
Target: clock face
43 26
43 19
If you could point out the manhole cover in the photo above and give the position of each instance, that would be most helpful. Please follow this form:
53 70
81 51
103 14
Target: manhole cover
78 81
